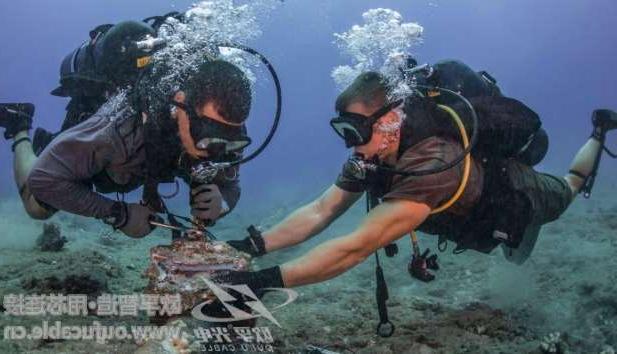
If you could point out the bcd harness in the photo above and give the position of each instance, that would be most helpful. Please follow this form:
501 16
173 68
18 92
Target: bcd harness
385 328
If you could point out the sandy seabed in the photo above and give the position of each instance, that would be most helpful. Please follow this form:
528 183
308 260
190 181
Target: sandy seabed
561 300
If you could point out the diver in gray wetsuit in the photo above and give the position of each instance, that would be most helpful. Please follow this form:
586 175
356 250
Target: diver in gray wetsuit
125 145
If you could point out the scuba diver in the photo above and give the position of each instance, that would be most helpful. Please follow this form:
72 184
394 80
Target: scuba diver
408 155
144 140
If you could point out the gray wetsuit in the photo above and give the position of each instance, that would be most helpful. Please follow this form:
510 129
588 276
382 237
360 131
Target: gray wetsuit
109 147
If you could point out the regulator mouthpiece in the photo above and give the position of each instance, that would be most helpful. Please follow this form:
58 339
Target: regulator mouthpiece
205 171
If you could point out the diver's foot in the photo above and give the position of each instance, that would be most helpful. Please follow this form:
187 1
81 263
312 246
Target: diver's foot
15 118
603 121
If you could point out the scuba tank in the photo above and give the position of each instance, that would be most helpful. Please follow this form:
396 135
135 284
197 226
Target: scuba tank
113 57
506 127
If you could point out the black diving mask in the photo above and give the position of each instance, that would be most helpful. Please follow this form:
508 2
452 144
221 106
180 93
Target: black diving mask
216 138
357 129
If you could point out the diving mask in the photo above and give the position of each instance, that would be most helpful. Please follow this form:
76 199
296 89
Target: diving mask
357 129
216 138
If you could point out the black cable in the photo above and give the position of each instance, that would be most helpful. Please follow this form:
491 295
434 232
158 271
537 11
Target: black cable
609 152
279 98
456 161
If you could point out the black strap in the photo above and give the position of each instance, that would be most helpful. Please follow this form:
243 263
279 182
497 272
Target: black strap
19 141
153 200
609 152
157 21
577 174
385 328
99 30
442 243
591 179
150 195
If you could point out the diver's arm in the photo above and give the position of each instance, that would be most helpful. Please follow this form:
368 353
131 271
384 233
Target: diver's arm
59 174
310 219
383 225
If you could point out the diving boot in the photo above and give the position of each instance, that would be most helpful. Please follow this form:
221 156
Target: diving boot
15 118
603 121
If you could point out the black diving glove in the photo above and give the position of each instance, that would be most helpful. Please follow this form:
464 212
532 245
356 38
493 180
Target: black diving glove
207 202
257 281
132 219
253 244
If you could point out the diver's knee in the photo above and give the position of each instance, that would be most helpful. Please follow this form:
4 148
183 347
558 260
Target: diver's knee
575 183
37 212
33 208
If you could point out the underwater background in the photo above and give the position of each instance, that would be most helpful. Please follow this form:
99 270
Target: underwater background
556 56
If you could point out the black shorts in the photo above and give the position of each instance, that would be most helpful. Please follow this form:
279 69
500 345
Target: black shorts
549 196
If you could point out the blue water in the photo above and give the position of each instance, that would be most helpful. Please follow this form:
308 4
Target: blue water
557 56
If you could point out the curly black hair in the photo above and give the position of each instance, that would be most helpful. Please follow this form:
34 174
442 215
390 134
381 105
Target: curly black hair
223 84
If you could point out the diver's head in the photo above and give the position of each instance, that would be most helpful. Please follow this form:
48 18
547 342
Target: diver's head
367 120
211 111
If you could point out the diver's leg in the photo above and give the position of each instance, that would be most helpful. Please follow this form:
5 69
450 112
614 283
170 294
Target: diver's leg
582 165
17 126
23 161
548 196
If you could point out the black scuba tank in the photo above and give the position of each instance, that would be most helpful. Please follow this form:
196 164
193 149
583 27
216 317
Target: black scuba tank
104 62
507 127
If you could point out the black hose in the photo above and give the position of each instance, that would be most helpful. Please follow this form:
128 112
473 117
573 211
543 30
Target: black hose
456 161
279 98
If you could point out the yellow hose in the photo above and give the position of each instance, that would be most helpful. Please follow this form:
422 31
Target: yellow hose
467 167
464 180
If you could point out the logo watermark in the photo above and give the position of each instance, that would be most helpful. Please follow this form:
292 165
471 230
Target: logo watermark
258 309
238 302
92 332
104 305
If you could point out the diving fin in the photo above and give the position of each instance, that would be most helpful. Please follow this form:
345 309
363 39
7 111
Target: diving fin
604 120
521 253
15 118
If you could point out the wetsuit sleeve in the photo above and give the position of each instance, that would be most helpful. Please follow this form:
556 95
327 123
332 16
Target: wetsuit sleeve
60 176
